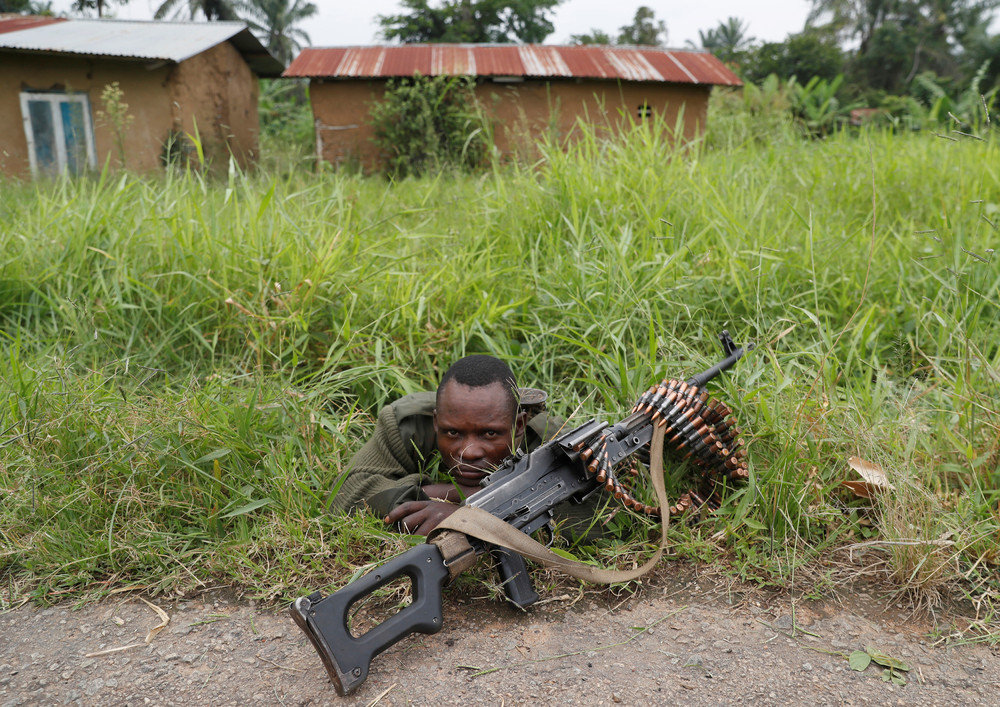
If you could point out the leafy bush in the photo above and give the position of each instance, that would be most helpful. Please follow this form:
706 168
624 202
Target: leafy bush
286 124
970 108
284 110
816 107
426 123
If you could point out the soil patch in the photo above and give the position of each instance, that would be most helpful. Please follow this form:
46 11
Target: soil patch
679 639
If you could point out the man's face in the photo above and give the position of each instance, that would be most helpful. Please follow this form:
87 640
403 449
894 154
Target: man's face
474 428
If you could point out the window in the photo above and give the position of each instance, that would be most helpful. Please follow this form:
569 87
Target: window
60 131
645 111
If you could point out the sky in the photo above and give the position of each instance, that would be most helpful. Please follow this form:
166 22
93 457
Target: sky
346 22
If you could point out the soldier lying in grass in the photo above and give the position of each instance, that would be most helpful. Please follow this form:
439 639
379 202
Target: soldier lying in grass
431 450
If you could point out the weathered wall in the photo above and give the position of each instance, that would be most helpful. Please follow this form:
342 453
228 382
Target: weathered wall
215 88
218 91
521 112
145 92
340 111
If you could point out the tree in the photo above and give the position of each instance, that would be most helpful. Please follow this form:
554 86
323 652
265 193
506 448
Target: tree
211 9
897 39
594 36
26 7
645 30
477 21
802 55
86 5
728 41
274 21
980 47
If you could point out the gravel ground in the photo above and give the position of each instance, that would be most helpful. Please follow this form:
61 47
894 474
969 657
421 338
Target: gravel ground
705 645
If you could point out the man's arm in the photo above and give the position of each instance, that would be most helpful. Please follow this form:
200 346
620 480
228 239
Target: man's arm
383 474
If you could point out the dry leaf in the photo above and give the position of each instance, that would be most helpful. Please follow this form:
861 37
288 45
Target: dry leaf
873 479
164 620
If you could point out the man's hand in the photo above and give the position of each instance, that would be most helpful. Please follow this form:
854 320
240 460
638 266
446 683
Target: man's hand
420 517
455 493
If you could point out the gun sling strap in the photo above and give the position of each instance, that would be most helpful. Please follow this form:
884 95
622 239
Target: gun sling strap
469 521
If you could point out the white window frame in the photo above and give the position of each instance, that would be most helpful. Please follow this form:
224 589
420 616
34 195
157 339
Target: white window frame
55 98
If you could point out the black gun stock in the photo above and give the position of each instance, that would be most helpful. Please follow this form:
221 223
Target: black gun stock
523 492
325 619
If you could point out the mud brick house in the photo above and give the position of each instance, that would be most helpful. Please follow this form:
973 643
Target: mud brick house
176 77
527 90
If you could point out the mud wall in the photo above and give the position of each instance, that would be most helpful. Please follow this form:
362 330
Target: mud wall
144 90
521 112
216 89
343 131
524 112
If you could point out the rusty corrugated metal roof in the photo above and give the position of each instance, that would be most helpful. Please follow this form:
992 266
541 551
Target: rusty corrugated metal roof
706 67
499 60
15 23
164 41
527 60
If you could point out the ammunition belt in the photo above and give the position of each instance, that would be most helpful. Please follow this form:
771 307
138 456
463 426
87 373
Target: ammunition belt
700 427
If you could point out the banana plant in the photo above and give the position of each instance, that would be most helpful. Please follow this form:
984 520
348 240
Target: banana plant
815 105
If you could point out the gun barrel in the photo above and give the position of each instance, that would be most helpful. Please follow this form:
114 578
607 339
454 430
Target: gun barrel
735 354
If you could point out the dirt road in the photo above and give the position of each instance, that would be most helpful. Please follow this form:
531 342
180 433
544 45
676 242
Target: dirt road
703 644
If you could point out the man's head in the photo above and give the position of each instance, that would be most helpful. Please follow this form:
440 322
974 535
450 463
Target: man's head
476 418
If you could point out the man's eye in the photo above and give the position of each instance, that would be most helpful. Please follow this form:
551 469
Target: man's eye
491 434
451 433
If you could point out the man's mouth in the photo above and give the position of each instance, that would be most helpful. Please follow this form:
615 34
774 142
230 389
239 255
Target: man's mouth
463 472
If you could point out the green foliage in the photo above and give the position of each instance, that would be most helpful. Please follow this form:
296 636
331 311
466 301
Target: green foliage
981 47
859 661
895 40
489 21
285 111
754 113
893 667
900 112
209 9
26 7
189 362
729 41
100 6
274 22
970 109
594 36
178 151
116 116
765 110
816 107
429 123
645 29
887 61
802 55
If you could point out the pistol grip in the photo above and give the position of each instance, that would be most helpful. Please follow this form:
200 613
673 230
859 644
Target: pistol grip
325 619
514 575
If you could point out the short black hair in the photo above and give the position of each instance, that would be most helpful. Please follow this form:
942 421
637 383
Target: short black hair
478 371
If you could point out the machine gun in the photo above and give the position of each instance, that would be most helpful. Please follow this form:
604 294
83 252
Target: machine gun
523 492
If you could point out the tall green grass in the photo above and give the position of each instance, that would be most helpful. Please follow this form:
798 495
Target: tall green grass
188 363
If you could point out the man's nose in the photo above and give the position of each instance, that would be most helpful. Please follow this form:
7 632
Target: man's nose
472 449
